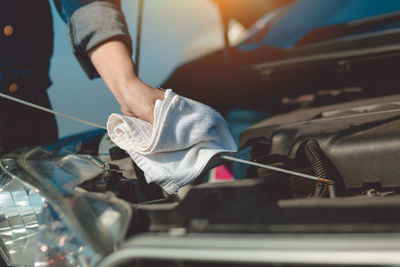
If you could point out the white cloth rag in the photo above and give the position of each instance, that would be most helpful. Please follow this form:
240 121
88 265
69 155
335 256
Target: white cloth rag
179 146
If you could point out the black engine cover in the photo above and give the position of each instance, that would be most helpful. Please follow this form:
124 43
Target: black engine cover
361 138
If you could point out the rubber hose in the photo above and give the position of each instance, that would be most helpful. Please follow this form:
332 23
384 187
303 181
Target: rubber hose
320 164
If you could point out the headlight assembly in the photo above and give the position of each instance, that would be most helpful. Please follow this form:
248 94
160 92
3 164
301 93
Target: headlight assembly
44 221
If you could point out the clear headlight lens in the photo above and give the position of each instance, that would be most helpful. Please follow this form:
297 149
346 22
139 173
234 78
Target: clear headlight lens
44 222
20 208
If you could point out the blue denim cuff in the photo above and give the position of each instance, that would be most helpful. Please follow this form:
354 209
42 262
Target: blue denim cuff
93 24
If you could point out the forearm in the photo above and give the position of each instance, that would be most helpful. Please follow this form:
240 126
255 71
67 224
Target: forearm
113 62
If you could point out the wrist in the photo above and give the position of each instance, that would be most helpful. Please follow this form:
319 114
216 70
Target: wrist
126 84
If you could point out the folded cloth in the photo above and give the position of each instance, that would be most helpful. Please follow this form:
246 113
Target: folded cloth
179 146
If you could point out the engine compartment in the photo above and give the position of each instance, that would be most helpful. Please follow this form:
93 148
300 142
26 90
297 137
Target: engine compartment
353 144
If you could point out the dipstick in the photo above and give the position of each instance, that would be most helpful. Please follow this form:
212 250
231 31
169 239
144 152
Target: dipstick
29 104
277 169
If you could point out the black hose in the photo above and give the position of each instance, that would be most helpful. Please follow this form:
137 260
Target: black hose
320 164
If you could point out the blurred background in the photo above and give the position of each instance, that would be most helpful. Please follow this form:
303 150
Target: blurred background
174 31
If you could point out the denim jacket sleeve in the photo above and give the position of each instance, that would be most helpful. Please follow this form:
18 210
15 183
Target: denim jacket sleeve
91 22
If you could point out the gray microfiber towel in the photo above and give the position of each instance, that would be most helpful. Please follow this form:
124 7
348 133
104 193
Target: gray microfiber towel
179 146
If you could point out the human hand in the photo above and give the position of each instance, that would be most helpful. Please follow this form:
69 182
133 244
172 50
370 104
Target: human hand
137 99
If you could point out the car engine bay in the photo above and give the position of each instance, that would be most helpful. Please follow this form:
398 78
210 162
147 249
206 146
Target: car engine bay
83 189
354 144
